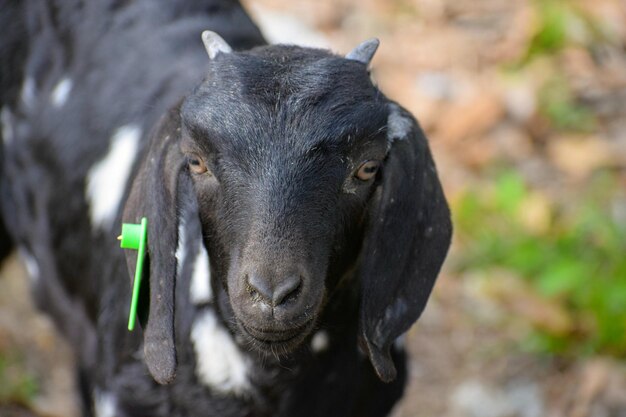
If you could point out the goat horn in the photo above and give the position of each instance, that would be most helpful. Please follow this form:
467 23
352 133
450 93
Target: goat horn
365 51
214 44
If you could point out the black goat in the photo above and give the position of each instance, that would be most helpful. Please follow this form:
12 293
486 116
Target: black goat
296 221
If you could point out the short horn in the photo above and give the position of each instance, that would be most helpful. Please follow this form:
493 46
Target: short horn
365 51
214 44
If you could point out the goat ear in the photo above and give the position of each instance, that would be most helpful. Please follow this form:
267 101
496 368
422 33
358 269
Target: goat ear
407 240
155 194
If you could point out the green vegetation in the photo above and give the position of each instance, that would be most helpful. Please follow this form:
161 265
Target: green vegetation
553 31
16 384
573 257
561 24
558 104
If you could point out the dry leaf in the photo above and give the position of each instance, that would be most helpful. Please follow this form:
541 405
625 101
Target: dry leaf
579 156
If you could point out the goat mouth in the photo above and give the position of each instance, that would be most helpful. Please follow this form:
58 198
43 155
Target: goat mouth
286 339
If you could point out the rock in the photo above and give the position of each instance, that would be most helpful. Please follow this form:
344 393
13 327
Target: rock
510 142
520 100
474 398
435 85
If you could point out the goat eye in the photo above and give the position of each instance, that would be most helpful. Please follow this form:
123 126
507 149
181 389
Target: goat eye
196 165
367 170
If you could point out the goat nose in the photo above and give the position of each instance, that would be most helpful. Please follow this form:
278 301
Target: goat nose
274 295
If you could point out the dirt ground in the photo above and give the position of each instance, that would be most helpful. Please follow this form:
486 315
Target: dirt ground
442 59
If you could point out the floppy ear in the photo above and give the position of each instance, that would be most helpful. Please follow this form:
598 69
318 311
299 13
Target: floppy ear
156 193
406 242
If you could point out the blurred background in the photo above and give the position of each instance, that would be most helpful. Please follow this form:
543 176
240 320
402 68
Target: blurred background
524 103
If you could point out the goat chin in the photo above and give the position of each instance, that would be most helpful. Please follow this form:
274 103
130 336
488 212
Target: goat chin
273 343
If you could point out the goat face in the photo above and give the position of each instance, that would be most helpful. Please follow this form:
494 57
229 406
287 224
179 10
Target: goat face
275 139
280 148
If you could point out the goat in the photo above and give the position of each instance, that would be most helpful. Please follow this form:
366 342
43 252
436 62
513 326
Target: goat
296 220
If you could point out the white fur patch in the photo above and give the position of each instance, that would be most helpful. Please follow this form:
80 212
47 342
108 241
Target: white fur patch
320 341
181 248
219 362
107 179
398 125
105 404
28 93
31 264
6 118
200 287
200 291
61 92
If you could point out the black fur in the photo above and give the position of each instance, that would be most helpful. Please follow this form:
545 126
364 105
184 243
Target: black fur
283 131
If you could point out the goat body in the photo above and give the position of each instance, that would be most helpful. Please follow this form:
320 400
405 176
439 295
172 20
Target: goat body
296 222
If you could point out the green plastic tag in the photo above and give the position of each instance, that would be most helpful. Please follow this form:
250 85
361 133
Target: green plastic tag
135 236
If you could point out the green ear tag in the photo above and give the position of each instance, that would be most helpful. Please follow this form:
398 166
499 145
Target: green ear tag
135 236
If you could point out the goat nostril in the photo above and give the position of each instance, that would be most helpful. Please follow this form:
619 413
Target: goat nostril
260 287
288 287
273 294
